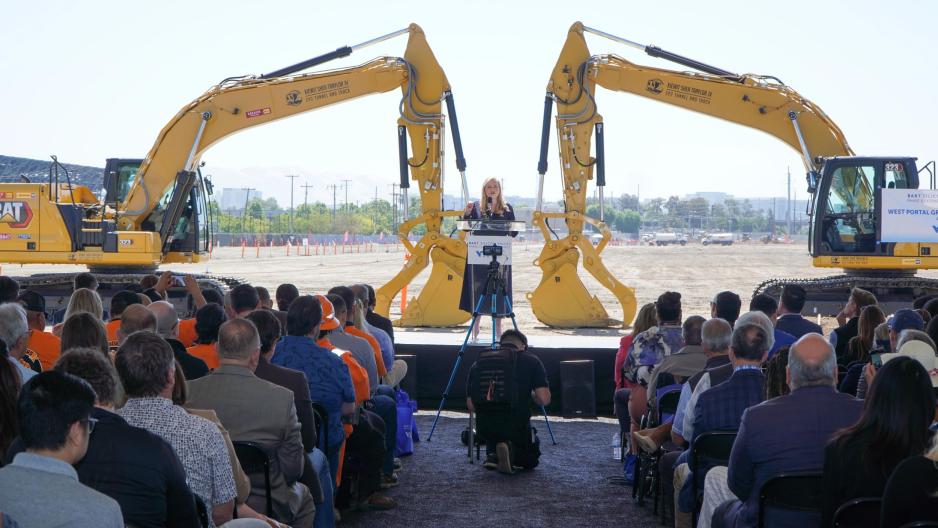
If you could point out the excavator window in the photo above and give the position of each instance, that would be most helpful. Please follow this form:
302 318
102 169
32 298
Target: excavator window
125 180
850 221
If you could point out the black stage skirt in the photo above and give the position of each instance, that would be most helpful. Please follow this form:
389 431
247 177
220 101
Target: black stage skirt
473 286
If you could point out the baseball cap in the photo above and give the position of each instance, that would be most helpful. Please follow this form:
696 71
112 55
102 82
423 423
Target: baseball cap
921 352
329 322
906 319
32 301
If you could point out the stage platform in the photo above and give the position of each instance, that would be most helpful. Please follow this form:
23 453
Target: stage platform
435 351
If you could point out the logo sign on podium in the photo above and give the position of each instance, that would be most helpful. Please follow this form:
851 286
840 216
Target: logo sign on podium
477 242
909 215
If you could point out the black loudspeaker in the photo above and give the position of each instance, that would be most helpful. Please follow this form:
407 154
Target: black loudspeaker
409 383
578 389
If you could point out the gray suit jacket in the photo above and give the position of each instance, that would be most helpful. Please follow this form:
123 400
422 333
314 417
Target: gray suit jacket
254 410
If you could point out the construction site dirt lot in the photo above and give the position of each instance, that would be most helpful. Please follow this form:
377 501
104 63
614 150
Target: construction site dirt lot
697 272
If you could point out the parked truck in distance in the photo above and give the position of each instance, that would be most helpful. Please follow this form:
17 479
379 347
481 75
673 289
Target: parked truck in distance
723 239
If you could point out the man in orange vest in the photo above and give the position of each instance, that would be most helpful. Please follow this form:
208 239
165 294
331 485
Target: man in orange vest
43 346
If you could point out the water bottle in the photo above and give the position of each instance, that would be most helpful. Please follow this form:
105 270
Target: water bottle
616 447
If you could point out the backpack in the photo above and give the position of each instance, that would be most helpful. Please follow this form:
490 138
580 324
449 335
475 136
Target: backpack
494 386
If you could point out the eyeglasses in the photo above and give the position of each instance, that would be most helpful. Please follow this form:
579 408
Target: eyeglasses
91 423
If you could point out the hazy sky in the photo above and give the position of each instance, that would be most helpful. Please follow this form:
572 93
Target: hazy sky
91 80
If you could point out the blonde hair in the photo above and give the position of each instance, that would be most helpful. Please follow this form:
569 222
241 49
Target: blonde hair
499 206
646 318
85 300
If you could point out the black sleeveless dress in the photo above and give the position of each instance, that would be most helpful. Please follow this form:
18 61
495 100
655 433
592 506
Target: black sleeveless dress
475 275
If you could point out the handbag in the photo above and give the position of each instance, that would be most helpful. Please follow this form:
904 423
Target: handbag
404 445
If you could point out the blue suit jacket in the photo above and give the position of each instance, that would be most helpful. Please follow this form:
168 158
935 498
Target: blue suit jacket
796 325
720 408
784 435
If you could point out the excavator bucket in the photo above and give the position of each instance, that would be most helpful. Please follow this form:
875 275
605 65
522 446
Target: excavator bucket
561 299
438 301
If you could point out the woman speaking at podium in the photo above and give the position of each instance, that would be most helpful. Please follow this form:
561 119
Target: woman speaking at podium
491 207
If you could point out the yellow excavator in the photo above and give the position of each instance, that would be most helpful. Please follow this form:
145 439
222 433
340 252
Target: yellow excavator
844 188
154 210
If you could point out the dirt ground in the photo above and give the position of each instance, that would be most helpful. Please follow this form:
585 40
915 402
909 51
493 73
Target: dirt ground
697 272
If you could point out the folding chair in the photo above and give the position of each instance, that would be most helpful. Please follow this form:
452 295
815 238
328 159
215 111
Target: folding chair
254 459
715 447
646 467
322 426
859 513
800 491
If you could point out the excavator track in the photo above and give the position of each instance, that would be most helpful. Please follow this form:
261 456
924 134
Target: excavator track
57 287
827 295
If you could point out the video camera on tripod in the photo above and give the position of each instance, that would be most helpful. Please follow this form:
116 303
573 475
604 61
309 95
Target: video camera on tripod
492 251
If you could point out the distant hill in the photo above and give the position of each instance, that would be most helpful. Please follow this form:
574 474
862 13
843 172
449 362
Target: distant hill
37 171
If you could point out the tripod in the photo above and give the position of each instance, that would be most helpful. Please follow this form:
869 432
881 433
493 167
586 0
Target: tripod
494 287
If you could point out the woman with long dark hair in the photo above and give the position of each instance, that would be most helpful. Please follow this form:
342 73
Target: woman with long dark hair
859 346
898 410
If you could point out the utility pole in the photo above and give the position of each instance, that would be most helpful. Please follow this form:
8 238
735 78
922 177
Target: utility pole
333 187
345 206
306 187
292 177
374 213
247 195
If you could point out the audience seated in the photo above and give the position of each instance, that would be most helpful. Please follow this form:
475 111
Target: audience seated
726 305
776 370
510 442
767 305
119 302
167 326
132 466
675 369
376 319
180 398
82 300
233 391
146 367
354 325
790 305
14 334
316 473
84 330
720 407
43 346
368 439
135 318
785 434
80 281
649 349
208 319
911 495
40 487
898 410
859 346
243 299
286 294
329 381
9 289
263 294
359 348
396 369
645 319
10 382
849 319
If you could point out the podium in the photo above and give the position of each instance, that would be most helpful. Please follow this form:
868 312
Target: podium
488 244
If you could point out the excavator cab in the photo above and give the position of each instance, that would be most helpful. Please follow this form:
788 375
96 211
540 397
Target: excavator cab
183 208
846 205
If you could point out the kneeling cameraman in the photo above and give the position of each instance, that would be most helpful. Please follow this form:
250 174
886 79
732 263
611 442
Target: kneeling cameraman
501 387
